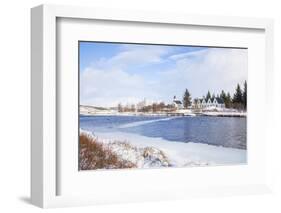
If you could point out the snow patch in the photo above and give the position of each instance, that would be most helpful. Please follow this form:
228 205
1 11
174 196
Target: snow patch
181 154
148 152
147 157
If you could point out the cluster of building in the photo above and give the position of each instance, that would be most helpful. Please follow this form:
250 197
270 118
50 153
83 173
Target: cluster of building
201 103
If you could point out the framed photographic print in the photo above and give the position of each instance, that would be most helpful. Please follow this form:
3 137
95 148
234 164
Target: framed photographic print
149 106
166 105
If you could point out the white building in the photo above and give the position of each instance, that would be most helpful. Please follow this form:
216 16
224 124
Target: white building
218 102
210 103
177 103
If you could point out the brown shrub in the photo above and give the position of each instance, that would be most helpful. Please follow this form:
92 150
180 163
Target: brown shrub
95 155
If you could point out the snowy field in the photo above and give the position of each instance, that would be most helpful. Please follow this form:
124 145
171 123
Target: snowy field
178 154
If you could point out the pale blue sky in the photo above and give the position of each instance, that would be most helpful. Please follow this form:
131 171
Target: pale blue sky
112 72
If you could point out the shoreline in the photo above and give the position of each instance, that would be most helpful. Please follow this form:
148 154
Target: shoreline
209 114
211 111
180 154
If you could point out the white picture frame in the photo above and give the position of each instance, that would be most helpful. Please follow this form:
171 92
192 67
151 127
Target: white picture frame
45 167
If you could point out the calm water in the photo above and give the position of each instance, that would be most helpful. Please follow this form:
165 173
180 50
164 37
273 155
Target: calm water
220 131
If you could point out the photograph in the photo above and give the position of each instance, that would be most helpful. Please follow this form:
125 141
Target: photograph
161 105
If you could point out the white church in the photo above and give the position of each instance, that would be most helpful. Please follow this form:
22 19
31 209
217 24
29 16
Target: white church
177 103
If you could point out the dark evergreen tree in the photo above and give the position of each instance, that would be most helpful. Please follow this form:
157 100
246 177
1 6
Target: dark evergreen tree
228 101
186 99
223 96
238 96
213 96
208 96
245 95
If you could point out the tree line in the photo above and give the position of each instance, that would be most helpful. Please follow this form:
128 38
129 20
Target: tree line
237 101
154 107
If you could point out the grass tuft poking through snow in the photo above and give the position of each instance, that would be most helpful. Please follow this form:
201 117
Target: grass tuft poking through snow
95 155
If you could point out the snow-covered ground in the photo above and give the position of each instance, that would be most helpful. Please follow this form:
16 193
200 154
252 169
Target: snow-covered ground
178 154
226 114
217 111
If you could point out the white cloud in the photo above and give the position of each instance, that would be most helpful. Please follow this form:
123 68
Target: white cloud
107 83
213 68
110 87
137 55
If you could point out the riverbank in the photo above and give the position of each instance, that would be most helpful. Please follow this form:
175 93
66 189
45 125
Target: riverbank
212 113
97 153
178 154
224 114
219 112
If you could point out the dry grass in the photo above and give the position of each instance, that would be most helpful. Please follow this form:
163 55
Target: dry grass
95 155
